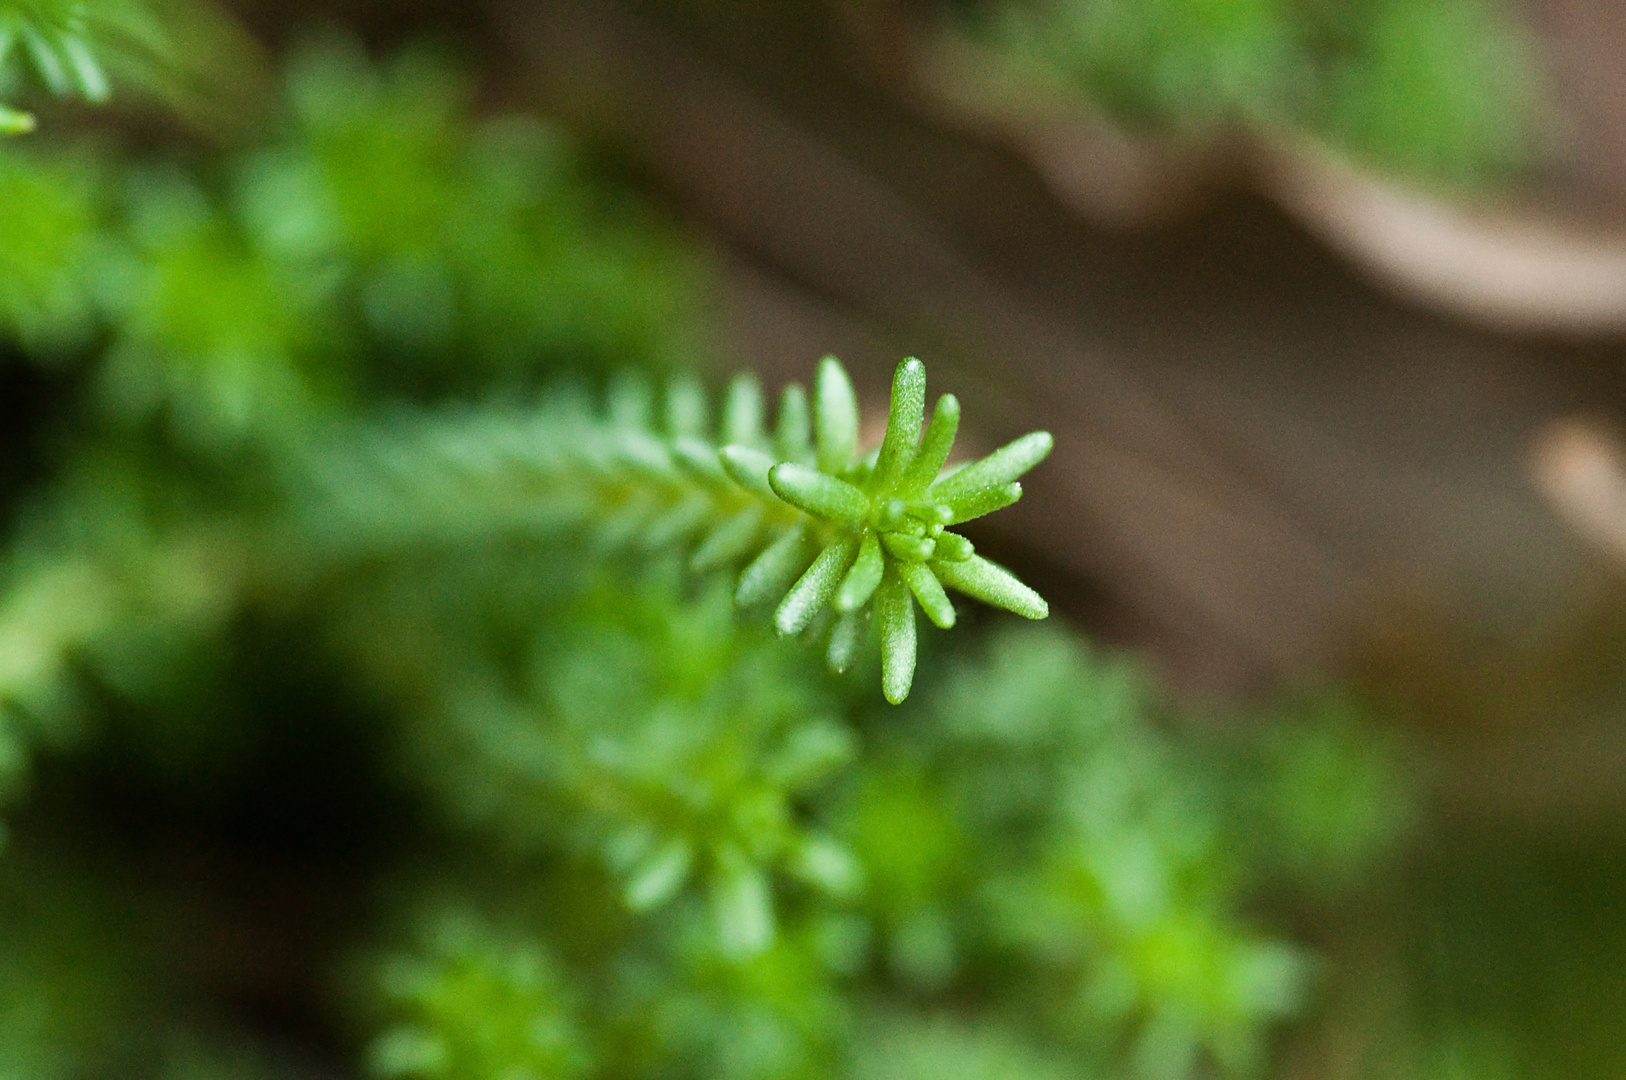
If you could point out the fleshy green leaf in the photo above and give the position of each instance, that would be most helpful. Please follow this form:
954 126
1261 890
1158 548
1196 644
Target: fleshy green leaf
953 547
743 905
817 493
895 615
658 878
999 468
699 457
815 587
934 448
793 436
845 640
865 575
728 541
837 409
933 600
908 548
742 412
749 467
908 410
774 569
991 584
981 501
15 121
687 411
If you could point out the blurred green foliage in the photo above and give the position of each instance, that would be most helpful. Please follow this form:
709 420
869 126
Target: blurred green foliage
352 488
1442 91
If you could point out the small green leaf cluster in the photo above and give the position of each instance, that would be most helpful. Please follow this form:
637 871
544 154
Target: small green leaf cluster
382 242
1028 851
662 741
880 522
1046 824
475 1004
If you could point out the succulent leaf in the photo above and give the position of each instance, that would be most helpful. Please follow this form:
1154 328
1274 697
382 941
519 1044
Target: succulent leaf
992 584
813 491
749 467
773 570
895 615
902 424
837 418
742 412
793 436
815 588
929 591
934 447
865 575
1004 465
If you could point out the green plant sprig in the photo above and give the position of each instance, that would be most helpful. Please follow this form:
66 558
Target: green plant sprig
54 38
839 538
880 522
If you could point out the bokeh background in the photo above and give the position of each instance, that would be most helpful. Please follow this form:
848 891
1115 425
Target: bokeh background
1327 315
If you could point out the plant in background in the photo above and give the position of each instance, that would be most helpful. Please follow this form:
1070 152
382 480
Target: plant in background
1184 66
1442 91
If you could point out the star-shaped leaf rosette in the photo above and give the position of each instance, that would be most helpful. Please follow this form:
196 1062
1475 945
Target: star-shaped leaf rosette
878 522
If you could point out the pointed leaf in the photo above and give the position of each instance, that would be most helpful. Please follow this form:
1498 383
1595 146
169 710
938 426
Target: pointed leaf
837 417
845 640
773 570
933 600
815 587
15 121
742 904
46 63
728 541
934 448
953 547
700 458
793 437
686 408
92 79
684 518
631 400
903 422
1001 467
895 615
749 467
658 878
976 503
808 489
828 864
642 452
742 412
991 584
861 580
908 548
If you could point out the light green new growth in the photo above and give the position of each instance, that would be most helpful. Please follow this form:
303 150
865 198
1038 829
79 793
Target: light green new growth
835 536
879 522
